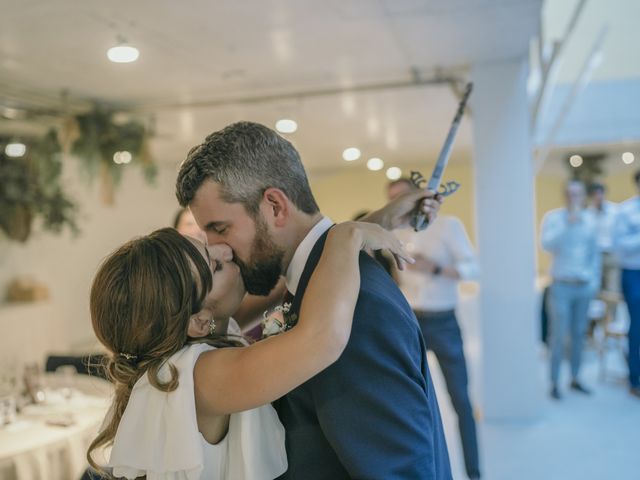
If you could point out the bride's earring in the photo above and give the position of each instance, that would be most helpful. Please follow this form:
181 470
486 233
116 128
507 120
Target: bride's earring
212 326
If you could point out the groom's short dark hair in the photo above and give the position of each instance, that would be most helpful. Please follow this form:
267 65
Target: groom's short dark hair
245 159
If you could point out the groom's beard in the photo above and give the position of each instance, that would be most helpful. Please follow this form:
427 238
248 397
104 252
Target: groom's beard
262 272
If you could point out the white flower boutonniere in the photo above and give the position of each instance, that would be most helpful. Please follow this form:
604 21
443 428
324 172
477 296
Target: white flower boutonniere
274 323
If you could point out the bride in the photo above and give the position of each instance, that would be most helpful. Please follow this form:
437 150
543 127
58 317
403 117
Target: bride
191 398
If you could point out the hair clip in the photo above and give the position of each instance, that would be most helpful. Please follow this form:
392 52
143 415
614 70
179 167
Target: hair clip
128 356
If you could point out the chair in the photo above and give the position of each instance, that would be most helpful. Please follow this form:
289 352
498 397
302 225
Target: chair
610 329
87 364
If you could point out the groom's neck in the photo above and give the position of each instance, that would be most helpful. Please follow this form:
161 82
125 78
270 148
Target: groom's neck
301 225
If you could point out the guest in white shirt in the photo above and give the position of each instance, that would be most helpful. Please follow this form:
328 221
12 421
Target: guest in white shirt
570 235
627 246
605 213
443 256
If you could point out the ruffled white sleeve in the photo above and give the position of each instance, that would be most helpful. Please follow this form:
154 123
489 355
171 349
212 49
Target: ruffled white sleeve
158 435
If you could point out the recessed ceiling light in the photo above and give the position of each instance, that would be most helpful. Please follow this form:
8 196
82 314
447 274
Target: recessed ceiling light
123 157
123 53
575 161
15 149
394 173
286 125
375 164
350 154
628 158
11 113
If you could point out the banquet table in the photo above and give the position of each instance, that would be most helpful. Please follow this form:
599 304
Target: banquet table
49 440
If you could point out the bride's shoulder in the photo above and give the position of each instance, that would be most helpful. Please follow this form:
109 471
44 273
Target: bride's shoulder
184 360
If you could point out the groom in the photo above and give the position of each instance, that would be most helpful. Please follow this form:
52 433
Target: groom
371 415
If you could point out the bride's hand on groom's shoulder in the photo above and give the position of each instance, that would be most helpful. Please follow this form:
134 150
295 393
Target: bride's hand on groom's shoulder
371 236
397 213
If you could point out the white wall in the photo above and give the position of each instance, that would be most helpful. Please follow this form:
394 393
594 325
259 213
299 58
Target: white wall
66 265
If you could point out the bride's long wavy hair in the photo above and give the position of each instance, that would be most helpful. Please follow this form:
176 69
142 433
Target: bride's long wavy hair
141 300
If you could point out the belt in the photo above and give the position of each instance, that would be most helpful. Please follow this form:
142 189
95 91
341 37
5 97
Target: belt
569 281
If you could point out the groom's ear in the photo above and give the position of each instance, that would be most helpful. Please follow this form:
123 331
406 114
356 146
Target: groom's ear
277 206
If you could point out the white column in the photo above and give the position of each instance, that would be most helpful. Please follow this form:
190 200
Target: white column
508 306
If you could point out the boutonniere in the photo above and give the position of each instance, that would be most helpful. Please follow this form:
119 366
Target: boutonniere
278 321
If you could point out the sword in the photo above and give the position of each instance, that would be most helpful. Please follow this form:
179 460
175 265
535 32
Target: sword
419 220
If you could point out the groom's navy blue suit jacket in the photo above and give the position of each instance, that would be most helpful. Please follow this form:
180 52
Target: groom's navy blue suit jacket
373 414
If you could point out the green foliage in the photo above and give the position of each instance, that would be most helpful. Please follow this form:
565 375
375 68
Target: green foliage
30 189
101 137
31 186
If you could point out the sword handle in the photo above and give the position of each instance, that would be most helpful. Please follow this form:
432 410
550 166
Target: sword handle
418 220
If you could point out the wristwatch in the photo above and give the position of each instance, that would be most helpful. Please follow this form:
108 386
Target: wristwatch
437 270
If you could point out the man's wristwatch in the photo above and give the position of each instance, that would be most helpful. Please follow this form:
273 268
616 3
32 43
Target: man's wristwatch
437 270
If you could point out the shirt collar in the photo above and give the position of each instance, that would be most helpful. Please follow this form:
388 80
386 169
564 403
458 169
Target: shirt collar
301 255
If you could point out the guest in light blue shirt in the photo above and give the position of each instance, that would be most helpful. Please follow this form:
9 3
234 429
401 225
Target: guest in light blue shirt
627 246
570 236
605 213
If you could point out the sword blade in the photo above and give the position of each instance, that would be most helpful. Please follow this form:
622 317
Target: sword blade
419 220
445 152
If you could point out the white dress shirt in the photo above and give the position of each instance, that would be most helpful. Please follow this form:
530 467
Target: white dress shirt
627 234
444 242
574 246
301 255
605 224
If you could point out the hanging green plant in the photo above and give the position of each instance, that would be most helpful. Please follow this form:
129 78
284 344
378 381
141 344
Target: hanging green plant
106 145
31 190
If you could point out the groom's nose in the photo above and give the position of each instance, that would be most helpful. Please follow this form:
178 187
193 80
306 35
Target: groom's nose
221 252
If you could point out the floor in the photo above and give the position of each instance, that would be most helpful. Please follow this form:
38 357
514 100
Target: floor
581 437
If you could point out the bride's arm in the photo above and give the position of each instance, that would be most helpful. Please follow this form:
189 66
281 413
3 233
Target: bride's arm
228 380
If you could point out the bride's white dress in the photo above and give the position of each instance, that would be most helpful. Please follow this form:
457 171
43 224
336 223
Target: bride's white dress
158 435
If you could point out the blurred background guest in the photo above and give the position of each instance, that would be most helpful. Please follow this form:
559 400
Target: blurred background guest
570 235
186 225
627 243
444 256
604 213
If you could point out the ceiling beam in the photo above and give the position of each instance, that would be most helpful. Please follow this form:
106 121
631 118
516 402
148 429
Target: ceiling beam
414 80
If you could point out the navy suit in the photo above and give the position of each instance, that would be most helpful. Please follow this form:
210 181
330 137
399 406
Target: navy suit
373 414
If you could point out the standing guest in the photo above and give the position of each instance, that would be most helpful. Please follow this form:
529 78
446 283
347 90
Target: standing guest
605 213
569 234
444 256
185 224
627 245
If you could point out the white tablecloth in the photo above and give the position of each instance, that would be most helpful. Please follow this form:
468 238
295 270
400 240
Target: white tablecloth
32 449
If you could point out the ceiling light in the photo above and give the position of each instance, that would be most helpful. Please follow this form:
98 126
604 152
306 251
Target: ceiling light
286 125
394 173
575 161
350 154
123 53
15 149
375 164
628 158
11 113
123 157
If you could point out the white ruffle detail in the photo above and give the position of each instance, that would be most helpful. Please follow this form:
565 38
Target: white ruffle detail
158 435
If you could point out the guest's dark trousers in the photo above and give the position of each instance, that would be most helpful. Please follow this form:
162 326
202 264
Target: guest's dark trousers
631 292
442 336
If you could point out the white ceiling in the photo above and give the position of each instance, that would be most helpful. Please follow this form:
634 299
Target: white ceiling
197 54
621 48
